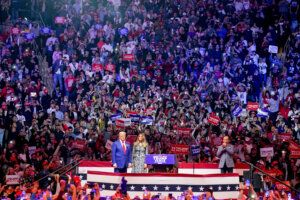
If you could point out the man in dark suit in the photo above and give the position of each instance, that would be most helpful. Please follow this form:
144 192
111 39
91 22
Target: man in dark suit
121 154
58 69
225 152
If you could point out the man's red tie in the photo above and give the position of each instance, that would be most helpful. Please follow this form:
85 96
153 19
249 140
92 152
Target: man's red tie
124 148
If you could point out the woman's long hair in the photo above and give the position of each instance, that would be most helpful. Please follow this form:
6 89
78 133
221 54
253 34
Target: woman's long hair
144 141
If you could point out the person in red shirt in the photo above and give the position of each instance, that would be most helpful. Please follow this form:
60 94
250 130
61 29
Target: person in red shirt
284 110
69 81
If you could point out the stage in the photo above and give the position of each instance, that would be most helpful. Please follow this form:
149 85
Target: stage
206 175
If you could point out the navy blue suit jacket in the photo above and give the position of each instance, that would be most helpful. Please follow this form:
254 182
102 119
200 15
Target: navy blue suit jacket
118 156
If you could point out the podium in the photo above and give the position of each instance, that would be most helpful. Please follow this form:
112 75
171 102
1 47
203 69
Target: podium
160 162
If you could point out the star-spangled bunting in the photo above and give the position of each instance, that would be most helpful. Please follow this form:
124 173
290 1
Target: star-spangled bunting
172 188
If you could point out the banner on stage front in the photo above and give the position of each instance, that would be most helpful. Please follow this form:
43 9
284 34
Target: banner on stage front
160 159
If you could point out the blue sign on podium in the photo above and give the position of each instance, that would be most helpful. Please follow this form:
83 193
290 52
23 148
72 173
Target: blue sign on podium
160 159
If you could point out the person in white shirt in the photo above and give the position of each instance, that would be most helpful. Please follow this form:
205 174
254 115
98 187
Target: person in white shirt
241 91
107 78
107 47
262 65
73 65
51 109
52 39
273 106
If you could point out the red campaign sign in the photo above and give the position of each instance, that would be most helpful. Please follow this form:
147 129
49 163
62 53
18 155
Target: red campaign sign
110 67
180 149
285 137
280 186
252 106
295 153
78 145
97 67
149 111
131 113
131 139
120 124
214 120
184 131
15 30
294 146
59 20
128 57
216 141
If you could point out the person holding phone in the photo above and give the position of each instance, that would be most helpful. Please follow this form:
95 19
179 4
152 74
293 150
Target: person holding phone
121 154
207 195
139 152
225 153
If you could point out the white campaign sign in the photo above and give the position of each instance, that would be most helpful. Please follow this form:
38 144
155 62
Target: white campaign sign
268 151
273 49
12 179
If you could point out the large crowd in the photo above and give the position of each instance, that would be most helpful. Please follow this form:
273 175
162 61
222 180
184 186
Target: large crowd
178 63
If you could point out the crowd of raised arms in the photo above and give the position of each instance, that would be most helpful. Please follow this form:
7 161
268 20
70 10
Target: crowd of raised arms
217 68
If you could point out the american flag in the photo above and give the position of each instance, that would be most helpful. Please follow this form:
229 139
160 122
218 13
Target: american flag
183 168
225 186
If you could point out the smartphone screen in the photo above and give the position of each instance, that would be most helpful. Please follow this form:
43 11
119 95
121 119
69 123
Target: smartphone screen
267 193
247 182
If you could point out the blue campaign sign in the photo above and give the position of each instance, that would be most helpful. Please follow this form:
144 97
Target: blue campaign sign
147 120
236 111
123 31
46 30
98 26
29 36
114 118
160 159
135 118
195 151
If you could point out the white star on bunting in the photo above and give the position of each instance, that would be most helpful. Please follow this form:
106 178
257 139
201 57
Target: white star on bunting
237 188
111 187
190 188
219 188
155 188
81 177
103 186
144 188
211 188
228 187
178 188
167 188
201 188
